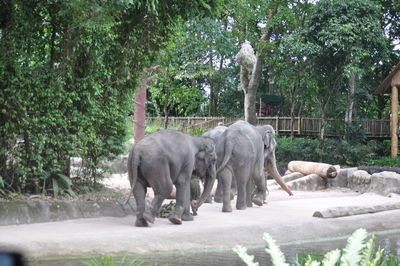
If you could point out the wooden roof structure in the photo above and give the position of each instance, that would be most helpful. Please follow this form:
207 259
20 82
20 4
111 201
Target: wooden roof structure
386 85
391 84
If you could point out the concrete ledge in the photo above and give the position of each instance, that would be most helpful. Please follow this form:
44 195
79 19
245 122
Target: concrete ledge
39 211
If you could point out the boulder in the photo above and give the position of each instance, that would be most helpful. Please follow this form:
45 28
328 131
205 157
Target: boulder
359 181
341 180
385 183
310 182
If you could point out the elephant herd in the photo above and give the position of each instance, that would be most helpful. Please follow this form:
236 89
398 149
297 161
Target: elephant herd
236 156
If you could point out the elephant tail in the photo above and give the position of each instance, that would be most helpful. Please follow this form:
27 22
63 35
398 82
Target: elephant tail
133 164
228 149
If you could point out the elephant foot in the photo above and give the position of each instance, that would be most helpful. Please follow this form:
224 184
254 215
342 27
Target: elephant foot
218 199
140 222
148 217
175 219
188 217
249 204
241 207
226 209
258 201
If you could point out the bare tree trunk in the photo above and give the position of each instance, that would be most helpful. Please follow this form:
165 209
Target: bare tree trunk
292 108
166 111
350 107
139 115
211 107
250 84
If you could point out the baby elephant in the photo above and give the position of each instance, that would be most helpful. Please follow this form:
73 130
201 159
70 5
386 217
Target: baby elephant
168 158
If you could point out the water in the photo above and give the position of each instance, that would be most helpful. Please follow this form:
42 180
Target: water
389 240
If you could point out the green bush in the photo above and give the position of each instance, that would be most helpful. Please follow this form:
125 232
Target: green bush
332 151
386 161
359 251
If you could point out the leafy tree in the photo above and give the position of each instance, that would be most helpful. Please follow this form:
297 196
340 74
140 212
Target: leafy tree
67 75
344 38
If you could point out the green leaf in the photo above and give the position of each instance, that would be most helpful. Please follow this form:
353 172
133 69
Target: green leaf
56 188
353 250
246 258
278 258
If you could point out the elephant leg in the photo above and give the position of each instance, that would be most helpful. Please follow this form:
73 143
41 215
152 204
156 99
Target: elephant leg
162 187
182 198
259 180
187 216
242 179
249 189
226 180
218 192
139 192
233 189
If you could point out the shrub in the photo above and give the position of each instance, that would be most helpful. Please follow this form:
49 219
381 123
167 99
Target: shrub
358 251
332 151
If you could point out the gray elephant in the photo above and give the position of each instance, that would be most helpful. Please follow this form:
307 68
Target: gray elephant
168 158
241 154
215 133
268 134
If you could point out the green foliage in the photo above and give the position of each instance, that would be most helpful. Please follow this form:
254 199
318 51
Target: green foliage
386 161
68 71
332 151
197 132
358 251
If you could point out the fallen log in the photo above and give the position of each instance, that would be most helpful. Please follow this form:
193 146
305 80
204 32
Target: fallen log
307 168
355 210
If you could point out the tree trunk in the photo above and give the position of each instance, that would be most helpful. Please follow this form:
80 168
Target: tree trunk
350 107
139 115
166 110
292 108
211 107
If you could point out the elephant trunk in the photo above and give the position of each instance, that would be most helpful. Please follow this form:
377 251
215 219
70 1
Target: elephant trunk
210 179
271 168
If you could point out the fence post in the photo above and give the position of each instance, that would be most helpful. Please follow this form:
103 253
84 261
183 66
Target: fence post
299 125
277 124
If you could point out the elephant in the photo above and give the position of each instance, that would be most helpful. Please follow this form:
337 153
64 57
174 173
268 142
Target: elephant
215 133
268 135
166 158
242 151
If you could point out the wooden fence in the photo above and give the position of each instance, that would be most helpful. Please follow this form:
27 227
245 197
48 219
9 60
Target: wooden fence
302 126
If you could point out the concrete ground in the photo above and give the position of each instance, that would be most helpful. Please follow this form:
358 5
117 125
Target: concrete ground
287 219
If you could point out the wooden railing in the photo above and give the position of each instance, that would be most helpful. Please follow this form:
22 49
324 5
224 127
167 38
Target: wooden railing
302 126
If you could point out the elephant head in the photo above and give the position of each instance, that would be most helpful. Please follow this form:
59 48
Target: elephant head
205 168
268 135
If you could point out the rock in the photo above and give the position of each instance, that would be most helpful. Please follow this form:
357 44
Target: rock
285 178
385 183
310 182
342 177
359 181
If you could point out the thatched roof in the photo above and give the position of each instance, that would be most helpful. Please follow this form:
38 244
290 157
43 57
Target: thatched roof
386 86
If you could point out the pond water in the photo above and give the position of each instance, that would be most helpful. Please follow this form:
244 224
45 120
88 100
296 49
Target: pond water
389 240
